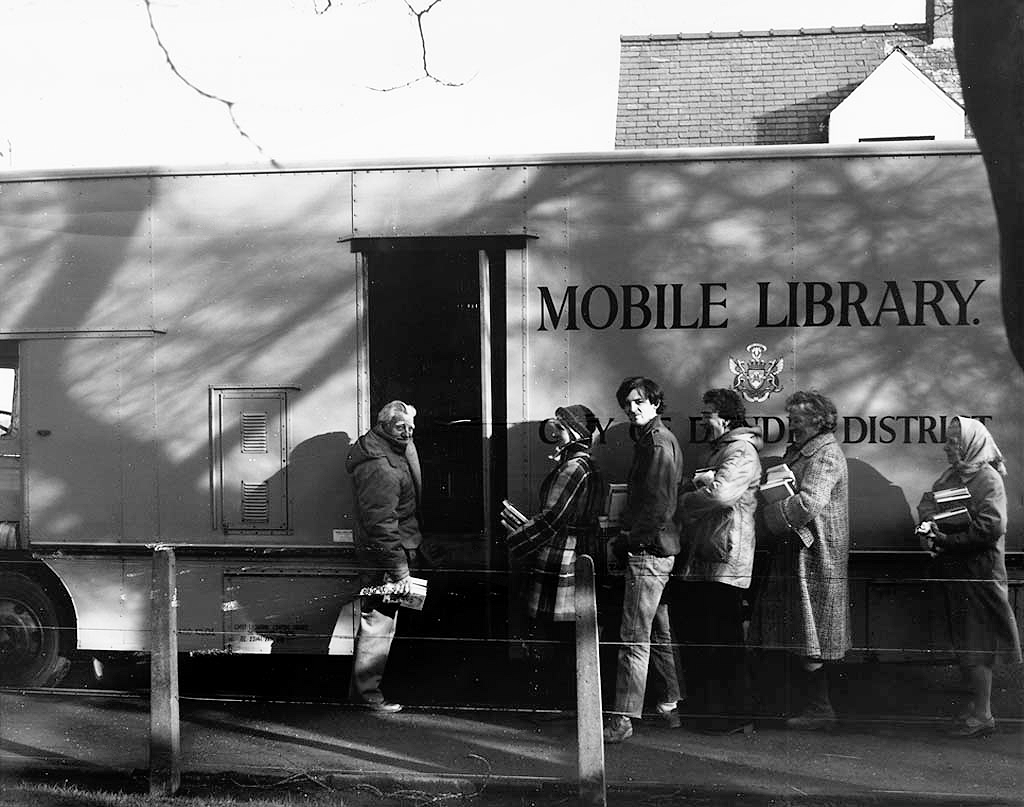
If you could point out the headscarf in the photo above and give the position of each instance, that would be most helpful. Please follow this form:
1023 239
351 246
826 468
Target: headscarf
977 448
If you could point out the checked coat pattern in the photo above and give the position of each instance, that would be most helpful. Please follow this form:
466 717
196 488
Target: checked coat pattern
804 603
570 502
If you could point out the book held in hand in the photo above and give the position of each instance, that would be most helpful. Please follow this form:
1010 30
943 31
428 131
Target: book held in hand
779 472
615 502
413 598
779 483
513 513
703 476
956 519
776 490
950 495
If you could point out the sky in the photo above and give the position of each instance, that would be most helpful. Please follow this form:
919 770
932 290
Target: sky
325 80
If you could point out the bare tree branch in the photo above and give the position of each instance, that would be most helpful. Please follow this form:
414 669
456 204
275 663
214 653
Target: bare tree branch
419 15
320 7
228 105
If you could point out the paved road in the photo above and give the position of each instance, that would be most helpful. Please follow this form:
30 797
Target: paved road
896 754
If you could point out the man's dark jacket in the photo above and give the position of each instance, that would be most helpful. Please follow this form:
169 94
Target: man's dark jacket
653 484
387 489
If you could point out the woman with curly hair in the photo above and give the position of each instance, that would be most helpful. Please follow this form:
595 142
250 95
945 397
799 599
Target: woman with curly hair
803 606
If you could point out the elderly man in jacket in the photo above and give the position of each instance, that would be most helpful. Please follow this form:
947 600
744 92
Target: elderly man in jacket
650 542
385 471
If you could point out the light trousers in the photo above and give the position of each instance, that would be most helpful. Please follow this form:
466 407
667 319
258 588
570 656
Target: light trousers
377 623
646 636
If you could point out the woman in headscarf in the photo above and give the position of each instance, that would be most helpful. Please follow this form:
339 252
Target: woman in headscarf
970 559
571 497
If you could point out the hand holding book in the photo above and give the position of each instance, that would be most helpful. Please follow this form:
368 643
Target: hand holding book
511 518
926 532
950 511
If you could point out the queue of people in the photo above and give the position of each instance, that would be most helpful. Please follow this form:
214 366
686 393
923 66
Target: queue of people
686 547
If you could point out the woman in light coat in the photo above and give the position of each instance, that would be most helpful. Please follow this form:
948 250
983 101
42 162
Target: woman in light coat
804 603
713 570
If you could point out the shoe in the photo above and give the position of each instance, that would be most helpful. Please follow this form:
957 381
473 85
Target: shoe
973 727
387 707
669 712
617 728
813 720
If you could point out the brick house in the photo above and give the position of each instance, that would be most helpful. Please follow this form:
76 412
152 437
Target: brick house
820 85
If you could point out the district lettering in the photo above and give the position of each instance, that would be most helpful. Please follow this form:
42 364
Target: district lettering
853 429
905 429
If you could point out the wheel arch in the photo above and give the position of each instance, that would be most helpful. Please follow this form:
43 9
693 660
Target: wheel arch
47 579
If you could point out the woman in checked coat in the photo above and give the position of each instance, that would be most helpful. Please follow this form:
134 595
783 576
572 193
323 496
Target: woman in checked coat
571 497
804 603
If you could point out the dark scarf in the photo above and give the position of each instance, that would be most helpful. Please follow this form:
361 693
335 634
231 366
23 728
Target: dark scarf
406 448
400 443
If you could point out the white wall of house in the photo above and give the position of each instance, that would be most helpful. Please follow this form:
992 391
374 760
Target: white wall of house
897 101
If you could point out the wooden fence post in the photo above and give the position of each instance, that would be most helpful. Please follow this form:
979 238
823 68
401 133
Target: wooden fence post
590 740
164 725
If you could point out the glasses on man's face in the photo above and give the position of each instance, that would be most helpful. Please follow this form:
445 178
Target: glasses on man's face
404 429
708 413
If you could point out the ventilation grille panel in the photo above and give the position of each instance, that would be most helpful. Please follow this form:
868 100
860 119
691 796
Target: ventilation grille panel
255 435
255 503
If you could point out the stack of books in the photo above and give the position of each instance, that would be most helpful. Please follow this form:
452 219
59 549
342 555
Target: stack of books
952 515
413 598
779 483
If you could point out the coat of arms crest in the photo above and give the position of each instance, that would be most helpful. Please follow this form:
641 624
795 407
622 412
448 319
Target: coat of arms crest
757 378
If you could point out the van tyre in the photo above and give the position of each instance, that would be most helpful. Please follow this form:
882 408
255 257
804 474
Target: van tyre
30 642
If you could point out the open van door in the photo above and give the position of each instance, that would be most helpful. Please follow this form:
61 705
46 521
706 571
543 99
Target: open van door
431 305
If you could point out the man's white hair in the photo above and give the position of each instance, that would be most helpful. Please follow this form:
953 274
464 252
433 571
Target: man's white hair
391 410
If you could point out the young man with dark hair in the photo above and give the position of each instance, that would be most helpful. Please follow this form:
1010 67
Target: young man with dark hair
648 543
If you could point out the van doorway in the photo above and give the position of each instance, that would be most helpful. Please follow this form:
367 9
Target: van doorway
435 338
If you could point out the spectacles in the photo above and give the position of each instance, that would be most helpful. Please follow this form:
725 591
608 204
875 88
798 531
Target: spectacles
402 428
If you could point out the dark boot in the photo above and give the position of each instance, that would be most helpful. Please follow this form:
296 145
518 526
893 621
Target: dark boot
817 714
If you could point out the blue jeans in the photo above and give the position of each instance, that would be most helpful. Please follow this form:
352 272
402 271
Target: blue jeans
646 636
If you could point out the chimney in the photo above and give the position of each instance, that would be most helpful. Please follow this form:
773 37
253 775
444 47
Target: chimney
938 15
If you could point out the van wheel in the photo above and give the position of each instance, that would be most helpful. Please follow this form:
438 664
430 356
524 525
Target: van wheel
29 635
